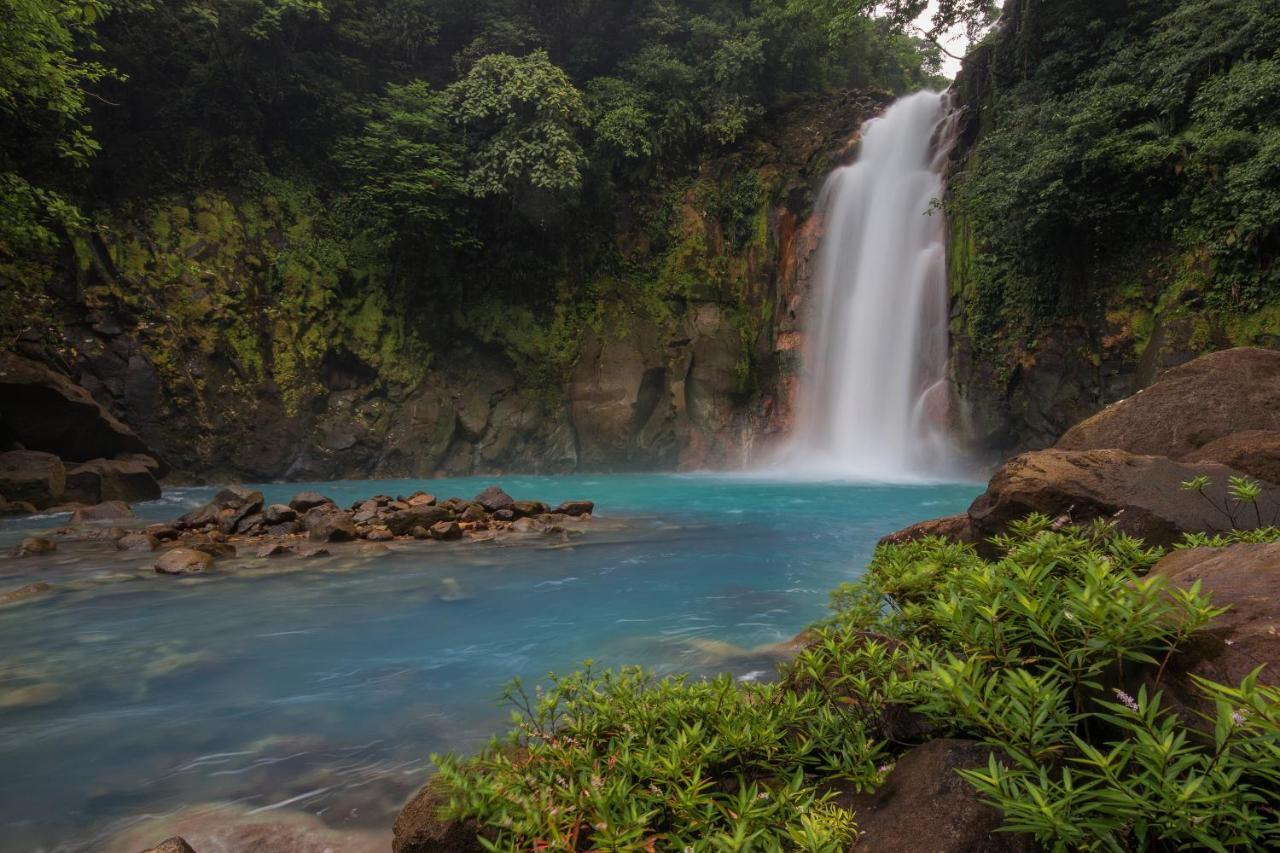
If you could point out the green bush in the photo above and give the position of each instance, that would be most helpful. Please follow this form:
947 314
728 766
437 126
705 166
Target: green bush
1035 653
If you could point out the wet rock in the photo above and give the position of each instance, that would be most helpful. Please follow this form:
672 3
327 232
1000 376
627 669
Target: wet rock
250 525
402 522
313 551
106 511
214 548
275 549
526 525
176 844
226 509
494 498
32 477
924 806
419 828
304 501
279 514
379 534
529 508
451 590
420 499
327 523
1244 578
373 549
446 530
111 480
163 532
1189 407
456 505
956 528
183 561
34 545
138 542
575 508
364 516
24 593
473 513
1142 494
1255 452
16 508
288 528
420 533
504 515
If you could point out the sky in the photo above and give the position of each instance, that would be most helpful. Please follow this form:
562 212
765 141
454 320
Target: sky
953 40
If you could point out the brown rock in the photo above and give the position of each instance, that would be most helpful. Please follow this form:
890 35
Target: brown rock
274 549
575 508
402 522
16 508
327 523
102 480
313 551
183 561
1189 406
526 525
530 508
419 828
1255 452
279 514
421 499
226 509
24 593
1244 578
304 501
176 844
494 498
137 542
380 534
33 477
955 528
33 545
107 511
504 515
420 533
163 532
924 806
1142 494
446 530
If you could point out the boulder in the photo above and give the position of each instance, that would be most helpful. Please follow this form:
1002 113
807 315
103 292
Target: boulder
420 499
106 511
303 501
183 561
1189 406
327 523
211 547
956 528
1255 452
33 477
279 514
446 530
526 525
402 523
34 545
274 549
176 844
419 828
1243 578
24 593
137 542
504 515
102 480
44 410
575 508
493 499
382 534
163 532
924 806
473 512
233 502
527 508
1143 495
16 508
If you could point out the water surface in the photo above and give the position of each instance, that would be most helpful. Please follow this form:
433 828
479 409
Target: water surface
313 696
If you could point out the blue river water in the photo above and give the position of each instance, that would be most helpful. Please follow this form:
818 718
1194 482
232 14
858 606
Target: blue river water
303 697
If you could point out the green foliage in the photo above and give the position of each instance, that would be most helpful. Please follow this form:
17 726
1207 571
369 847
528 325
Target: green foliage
624 760
1114 133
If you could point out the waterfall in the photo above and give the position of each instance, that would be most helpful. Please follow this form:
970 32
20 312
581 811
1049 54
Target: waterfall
873 398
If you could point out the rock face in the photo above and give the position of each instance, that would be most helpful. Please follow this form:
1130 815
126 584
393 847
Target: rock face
43 410
102 480
420 829
33 477
924 806
1143 494
1245 578
1255 452
1189 407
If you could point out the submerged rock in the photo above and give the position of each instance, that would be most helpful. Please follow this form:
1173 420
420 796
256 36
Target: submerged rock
25 593
105 511
137 542
275 549
183 561
34 545
31 695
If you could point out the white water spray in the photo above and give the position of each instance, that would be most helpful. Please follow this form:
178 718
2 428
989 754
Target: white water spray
874 396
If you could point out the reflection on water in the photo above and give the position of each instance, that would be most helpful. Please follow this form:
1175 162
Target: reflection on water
292 704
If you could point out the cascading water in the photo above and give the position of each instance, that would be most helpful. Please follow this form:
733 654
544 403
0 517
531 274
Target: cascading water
874 395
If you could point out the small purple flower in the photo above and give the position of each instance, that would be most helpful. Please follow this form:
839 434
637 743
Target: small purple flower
1126 699
1238 717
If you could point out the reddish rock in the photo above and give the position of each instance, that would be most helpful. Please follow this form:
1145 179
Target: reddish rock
446 530
1255 452
279 514
176 844
34 545
327 523
956 528
575 508
304 501
275 549
420 499
1189 407
1142 494
382 534
494 498
183 561
24 593
924 806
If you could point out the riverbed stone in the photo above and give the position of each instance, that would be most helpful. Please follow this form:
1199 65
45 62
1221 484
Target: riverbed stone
183 561
403 522
327 523
279 514
25 593
303 501
137 542
379 534
494 498
529 508
420 499
163 532
35 545
575 508
274 549
31 695
446 530
105 511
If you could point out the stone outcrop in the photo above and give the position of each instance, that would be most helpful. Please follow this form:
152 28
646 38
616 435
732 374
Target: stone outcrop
1143 495
1244 578
33 477
1190 406
924 806
957 528
100 480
